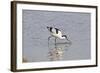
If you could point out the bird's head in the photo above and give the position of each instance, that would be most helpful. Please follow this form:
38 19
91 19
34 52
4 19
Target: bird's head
65 36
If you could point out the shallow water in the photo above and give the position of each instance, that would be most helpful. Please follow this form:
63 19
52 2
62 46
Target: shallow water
35 34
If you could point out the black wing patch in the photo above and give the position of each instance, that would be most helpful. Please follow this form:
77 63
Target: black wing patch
57 30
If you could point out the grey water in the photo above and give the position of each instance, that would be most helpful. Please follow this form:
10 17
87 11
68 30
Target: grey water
35 35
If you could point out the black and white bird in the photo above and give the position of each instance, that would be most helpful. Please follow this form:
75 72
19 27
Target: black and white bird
55 32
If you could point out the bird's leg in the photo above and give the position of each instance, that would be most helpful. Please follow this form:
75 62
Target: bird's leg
55 43
49 39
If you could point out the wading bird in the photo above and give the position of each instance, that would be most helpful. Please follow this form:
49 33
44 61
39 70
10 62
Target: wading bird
55 32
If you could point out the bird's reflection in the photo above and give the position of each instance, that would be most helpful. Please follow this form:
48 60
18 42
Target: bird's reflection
56 48
55 54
